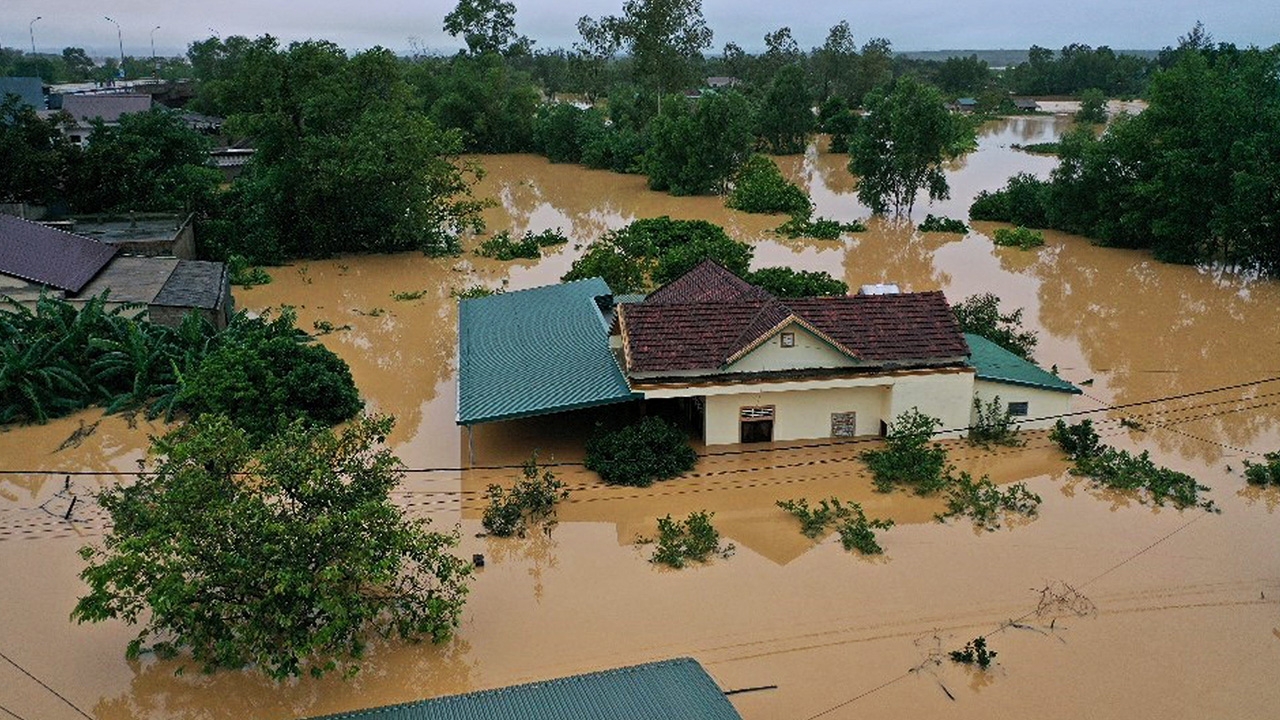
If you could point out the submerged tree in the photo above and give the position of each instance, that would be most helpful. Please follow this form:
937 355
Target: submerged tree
286 557
899 148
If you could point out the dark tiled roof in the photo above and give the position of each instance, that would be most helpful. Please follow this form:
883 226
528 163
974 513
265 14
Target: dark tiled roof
193 284
709 281
108 107
30 90
41 254
132 279
910 328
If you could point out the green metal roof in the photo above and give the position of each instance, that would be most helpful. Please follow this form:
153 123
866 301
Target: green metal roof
536 351
669 690
996 364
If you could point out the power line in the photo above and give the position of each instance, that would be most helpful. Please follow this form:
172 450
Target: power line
826 443
42 684
11 713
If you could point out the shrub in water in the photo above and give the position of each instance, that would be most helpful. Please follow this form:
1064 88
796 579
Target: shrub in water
759 187
693 539
908 458
639 454
1019 237
530 501
1267 473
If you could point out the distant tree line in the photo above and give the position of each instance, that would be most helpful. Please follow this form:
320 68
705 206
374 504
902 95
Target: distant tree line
1194 177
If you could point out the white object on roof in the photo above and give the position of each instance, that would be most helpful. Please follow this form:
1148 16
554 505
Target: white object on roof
880 289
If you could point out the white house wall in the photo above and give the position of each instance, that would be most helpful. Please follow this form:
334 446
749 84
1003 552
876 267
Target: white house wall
798 415
810 351
803 408
946 396
1042 405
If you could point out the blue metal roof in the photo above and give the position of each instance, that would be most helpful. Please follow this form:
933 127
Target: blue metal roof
996 364
669 690
533 352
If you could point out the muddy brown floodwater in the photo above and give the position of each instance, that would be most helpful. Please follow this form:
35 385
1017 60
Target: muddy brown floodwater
1177 614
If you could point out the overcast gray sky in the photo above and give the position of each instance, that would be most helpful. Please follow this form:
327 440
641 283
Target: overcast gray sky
404 24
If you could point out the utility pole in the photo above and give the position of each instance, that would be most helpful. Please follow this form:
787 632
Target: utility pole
31 29
119 39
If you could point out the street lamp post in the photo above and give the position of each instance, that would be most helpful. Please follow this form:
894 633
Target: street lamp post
154 64
119 39
31 29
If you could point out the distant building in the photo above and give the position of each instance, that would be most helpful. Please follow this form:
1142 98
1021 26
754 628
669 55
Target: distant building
964 105
30 90
1026 104
36 259
84 109
715 83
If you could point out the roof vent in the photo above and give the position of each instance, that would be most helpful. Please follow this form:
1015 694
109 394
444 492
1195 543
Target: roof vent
880 289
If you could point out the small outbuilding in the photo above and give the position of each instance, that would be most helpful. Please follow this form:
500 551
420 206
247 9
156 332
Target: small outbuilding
677 689
1034 397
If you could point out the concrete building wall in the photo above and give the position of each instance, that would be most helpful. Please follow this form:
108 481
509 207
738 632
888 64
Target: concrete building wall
946 396
22 291
809 351
803 410
798 415
1041 403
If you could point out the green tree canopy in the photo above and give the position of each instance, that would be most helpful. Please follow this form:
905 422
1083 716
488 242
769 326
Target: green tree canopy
980 315
287 556
33 154
899 148
149 161
784 119
663 38
696 151
487 26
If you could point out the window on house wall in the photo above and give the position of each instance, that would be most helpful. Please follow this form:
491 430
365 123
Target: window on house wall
1019 409
788 339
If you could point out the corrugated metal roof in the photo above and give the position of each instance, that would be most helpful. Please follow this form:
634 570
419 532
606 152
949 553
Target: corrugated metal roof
535 351
193 284
669 690
996 364
44 255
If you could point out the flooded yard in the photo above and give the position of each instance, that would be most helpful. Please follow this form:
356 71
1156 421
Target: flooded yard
1099 607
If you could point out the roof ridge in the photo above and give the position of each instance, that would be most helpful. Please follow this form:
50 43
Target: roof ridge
742 342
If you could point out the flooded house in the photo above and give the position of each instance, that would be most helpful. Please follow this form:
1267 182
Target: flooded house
741 365
36 259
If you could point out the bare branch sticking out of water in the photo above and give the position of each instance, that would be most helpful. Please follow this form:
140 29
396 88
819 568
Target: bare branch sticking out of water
1060 599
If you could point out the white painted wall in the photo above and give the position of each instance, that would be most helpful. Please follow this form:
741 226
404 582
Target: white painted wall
802 409
809 352
798 415
946 396
1040 403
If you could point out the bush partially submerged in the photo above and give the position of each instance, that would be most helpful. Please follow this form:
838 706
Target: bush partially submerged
1266 473
529 247
974 652
909 458
1019 237
803 225
640 454
983 502
654 251
1122 470
856 531
693 539
942 224
759 187
532 500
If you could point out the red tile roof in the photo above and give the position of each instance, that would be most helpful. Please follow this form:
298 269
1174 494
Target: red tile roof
673 336
44 255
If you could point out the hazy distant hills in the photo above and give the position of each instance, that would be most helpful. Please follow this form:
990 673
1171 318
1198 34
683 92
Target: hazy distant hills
997 58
